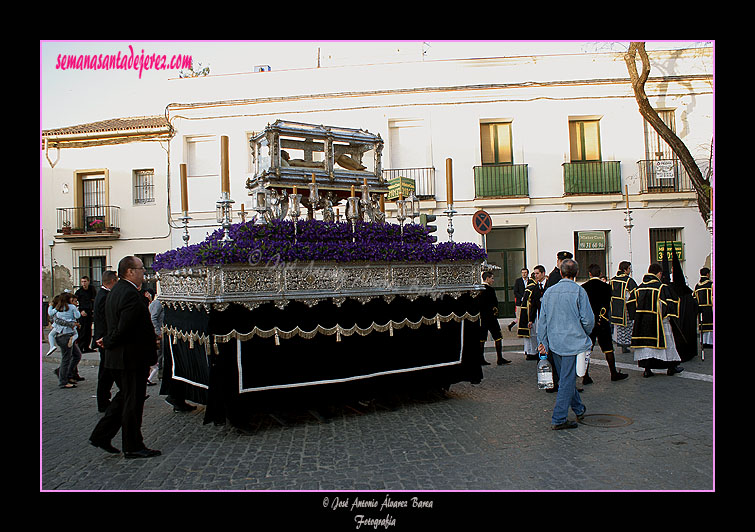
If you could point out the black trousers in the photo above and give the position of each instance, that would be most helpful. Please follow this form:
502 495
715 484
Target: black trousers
125 410
105 381
85 332
602 334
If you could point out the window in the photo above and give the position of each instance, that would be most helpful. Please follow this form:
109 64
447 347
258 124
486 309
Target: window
590 247
655 147
584 140
94 198
90 263
202 156
666 234
409 143
148 259
495 143
144 187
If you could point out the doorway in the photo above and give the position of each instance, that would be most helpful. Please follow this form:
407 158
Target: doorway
506 249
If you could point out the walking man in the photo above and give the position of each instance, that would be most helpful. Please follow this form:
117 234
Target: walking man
566 321
105 378
130 349
489 320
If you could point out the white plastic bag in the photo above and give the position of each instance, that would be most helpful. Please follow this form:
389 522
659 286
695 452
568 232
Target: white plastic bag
583 360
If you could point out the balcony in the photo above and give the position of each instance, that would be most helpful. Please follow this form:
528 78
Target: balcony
651 181
424 179
501 181
592 177
100 222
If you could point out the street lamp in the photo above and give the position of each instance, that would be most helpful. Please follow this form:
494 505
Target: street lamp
628 223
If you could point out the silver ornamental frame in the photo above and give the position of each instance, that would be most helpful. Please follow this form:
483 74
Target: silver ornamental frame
216 287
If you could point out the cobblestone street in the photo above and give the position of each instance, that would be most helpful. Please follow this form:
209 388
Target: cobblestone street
639 434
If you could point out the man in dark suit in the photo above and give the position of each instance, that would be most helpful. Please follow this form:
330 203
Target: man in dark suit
519 285
130 349
86 296
555 276
105 378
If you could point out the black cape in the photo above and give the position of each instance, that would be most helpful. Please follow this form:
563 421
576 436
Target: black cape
684 326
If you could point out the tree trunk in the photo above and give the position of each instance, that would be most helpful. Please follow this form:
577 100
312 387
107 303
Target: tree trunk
700 184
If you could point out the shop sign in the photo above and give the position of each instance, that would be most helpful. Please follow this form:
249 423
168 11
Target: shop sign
659 250
591 240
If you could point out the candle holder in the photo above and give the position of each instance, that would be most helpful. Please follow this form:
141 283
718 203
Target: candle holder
294 201
224 213
314 198
261 206
185 220
378 214
412 210
365 204
352 214
401 214
450 213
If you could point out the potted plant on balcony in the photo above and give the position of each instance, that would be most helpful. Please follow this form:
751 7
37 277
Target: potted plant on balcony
97 225
66 228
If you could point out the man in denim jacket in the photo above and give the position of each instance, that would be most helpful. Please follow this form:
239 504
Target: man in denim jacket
566 320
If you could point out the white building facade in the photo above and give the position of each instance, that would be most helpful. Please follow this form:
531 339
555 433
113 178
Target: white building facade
552 147
104 196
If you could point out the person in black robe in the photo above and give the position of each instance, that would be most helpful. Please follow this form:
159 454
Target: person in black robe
489 320
704 298
599 294
653 304
684 326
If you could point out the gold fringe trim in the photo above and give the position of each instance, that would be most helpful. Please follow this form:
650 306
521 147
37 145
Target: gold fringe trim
192 337
338 330
278 333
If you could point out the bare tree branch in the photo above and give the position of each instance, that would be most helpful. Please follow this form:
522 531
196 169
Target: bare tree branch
700 184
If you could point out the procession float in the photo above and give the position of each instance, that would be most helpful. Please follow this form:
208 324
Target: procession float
299 300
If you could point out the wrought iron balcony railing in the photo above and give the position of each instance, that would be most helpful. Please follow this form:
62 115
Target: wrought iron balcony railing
424 179
88 220
672 177
592 177
501 180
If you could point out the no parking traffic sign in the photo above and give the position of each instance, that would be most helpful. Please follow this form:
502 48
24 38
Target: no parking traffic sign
482 222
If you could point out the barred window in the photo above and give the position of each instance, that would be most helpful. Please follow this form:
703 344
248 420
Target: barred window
144 187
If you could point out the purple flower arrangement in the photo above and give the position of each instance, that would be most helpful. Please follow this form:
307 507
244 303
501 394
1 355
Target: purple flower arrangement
316 240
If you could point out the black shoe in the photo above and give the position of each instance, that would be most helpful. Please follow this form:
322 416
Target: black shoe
144 453
619 376
565 425
182 406
106 447
581 416
674 371
530 357
511 325
484 363
586 380
78 378
502 361
647 373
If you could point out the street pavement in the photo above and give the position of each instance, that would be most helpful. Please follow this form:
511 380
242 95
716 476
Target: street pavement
639 434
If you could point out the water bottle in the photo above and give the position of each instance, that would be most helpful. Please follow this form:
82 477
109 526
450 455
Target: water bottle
544 374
